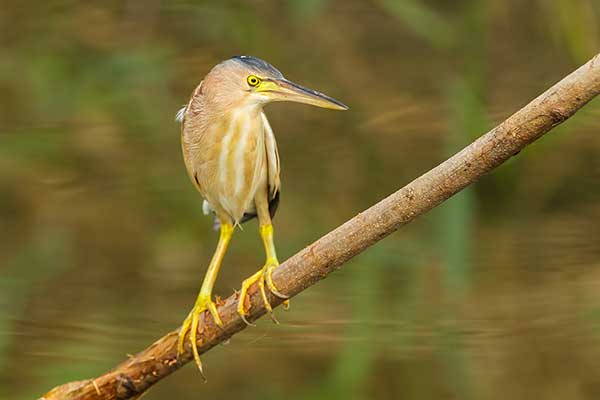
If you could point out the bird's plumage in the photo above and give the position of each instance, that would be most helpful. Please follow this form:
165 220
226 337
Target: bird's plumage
228 145
258 66
231 157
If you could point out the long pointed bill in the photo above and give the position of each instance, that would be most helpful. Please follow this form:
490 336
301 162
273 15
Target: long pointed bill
284 90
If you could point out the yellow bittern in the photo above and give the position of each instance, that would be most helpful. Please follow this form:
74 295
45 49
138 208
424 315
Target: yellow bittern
231 157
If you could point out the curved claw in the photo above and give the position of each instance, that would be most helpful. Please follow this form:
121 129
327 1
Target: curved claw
185 327
212 307
190 325
243 294
264 280
243 316
271 285
193 333
263 293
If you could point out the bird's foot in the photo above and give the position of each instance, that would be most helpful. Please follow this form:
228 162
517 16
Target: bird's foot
264 279
191 323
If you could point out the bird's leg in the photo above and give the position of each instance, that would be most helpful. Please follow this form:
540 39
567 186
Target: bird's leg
263 276
266 234
204 301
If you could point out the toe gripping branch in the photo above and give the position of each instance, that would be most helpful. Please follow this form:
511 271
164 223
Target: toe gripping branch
204 301
263 277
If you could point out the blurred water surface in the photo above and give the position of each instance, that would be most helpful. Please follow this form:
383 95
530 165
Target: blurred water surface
103 245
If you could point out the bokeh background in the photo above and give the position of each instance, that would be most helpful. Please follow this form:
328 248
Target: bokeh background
103 245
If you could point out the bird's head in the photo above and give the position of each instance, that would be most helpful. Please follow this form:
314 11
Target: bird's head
246 80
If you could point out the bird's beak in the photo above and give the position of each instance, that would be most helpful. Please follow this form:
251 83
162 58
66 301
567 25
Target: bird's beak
285 90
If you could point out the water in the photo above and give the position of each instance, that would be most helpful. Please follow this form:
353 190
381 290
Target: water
103 245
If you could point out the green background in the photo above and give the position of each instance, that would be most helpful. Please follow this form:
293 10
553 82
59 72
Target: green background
103 245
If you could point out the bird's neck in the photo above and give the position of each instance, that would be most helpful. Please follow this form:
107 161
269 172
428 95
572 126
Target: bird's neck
250 110
250 113
235 118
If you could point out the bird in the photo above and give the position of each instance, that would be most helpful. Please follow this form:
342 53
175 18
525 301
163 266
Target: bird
231 157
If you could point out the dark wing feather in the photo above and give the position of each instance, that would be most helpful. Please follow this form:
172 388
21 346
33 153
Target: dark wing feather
273 204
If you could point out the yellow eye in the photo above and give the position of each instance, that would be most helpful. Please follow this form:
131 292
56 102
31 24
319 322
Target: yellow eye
253 80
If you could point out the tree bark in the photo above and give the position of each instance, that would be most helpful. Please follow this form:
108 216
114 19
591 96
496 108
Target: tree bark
136 374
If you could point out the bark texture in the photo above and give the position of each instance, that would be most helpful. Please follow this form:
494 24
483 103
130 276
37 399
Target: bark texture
136 374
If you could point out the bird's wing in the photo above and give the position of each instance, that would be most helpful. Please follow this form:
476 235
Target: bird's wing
273 168
273 180
179 117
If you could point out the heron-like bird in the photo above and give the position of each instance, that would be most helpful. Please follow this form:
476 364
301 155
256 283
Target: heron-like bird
231 157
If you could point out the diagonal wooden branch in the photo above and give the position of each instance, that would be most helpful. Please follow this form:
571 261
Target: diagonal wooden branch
135 375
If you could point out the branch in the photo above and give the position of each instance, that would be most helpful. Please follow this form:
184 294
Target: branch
135 375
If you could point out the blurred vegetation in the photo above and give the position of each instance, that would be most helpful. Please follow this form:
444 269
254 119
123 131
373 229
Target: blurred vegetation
103 243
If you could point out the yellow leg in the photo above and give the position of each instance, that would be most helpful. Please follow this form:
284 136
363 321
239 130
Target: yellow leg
263 277
204 301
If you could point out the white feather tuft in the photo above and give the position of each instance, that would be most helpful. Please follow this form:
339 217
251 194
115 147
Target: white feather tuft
180 114
206 208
